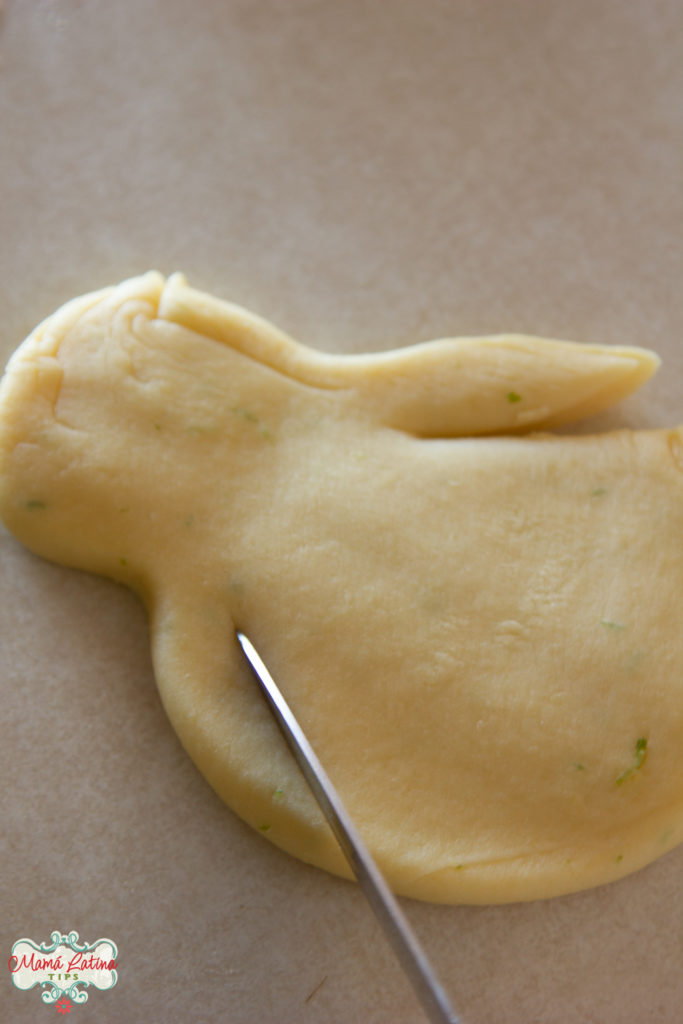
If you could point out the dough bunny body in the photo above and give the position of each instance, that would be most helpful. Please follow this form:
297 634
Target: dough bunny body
479 631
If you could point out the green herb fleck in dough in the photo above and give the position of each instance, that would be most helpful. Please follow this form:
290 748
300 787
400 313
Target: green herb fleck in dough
264 828
123 561
514 397
250 417
200 428
35 503
640 755
579 767
245 414
278 796
619 858
612 625
597 492
635 661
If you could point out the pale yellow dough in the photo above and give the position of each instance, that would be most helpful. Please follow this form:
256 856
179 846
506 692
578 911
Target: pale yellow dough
481 635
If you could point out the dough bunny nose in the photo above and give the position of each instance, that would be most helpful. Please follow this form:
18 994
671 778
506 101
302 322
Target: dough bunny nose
476 622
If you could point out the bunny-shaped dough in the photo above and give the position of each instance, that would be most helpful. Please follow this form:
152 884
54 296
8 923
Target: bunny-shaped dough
481 634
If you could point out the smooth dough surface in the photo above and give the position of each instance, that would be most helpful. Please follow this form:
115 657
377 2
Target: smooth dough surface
480 631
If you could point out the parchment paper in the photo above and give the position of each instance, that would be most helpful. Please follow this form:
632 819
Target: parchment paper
367 175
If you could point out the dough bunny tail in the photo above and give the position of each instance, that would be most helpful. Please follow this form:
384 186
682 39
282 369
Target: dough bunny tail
454 387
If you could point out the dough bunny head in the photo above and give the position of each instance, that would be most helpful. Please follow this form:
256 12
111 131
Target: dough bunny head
477 624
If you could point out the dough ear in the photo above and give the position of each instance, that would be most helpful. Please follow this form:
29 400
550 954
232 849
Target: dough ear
506 384
449 388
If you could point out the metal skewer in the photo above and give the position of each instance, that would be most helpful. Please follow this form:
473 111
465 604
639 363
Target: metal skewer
414 961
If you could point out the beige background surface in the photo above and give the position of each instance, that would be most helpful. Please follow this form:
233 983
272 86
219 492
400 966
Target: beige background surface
367 174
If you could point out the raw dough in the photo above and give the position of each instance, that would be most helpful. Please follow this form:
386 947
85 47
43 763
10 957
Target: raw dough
481 635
